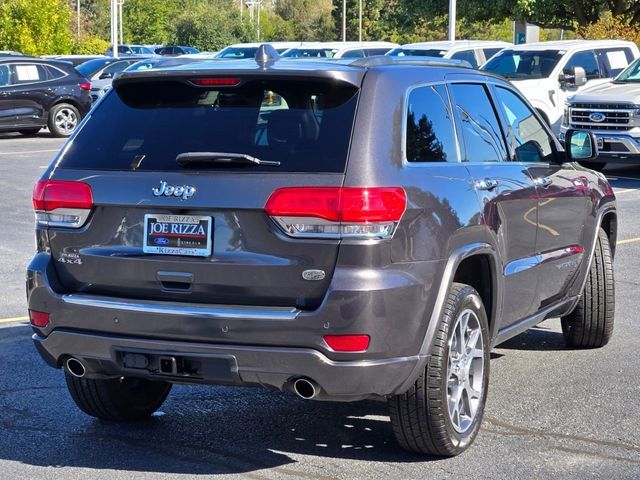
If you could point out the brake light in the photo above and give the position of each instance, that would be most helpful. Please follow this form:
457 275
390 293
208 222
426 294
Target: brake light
38 319
62 203
369 212
85 85
347 343
216 81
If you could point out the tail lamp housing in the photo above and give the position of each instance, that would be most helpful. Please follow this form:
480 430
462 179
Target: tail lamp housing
337 212
38 319
62 203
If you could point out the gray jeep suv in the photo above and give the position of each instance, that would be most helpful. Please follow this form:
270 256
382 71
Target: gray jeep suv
340 230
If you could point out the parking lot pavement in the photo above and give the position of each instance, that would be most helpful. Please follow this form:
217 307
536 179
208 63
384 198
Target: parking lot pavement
552 412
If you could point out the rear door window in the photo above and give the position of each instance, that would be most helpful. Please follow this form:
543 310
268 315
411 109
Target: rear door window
614 60
430 134
353 54
481 132
468 56
4 75
304 125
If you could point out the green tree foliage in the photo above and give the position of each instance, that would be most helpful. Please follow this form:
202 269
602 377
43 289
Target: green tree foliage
609 26
210 27
90 45
35 27
310 19
146 21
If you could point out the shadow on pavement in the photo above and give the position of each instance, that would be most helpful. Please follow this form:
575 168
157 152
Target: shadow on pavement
199 430
536 339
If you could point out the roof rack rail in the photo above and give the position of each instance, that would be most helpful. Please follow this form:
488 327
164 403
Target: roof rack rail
381 60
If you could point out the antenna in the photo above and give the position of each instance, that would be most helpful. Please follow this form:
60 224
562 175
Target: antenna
266 55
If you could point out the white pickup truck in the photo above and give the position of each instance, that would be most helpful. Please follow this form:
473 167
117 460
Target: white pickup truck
612 112
548 73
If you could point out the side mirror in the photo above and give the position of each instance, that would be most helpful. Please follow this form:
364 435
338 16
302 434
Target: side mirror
105 75
576 77
581 146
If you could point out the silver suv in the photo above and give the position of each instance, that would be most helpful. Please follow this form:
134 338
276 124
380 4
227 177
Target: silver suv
343 231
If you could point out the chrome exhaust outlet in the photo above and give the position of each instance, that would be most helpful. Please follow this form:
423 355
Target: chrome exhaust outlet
75 367
306 388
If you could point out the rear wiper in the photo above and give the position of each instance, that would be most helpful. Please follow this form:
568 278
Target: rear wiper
221 158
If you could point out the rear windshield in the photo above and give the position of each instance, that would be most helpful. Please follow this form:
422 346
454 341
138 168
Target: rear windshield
304 125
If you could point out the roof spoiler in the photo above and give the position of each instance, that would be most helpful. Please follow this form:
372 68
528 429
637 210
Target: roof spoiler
381 60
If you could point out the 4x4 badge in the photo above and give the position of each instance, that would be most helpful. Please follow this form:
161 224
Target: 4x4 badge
182 191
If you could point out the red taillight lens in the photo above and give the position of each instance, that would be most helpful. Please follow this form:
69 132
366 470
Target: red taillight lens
347 343
216 82
49 195
62 203
348 211
85 85
38 319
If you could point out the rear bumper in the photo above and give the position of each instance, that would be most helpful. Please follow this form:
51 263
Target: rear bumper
243 345
104 355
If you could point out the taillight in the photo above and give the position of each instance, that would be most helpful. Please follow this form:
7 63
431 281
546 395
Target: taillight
347 343
85 85
337 212
62 203
38 319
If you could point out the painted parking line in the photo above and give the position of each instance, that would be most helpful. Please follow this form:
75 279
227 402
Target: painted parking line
628 240
625 190
616 177
29 152
13 319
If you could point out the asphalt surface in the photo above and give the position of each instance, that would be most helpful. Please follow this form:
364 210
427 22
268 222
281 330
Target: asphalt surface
552 412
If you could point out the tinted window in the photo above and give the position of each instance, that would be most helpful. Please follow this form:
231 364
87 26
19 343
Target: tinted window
353 54
4 75
370 52
586 60
90 68
528 138
54 73
430 131
466 55
238 53
27 73
521 64
116 67
309 52
416 52
304 125
615 60
481 132
490 52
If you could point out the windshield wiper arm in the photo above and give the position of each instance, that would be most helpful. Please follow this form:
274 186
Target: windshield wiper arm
221 158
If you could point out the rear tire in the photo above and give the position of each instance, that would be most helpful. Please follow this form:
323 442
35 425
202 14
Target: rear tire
63 119
120 400
590 325
28 132
455 379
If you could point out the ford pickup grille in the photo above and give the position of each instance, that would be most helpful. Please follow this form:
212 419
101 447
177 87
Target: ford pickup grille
601 116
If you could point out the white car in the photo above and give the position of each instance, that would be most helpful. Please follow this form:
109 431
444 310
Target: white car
475 52
339 49
548 73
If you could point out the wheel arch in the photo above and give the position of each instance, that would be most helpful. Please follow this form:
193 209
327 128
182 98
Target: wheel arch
479 272
609 224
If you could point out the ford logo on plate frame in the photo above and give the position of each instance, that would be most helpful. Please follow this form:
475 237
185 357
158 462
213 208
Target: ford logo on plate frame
597 117
160 241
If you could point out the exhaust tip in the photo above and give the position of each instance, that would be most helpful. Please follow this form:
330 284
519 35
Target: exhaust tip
306 389
76 368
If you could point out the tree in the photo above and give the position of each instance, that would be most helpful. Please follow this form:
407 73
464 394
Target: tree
311 19
35 27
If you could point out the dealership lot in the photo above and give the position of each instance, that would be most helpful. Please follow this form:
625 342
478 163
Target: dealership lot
552 412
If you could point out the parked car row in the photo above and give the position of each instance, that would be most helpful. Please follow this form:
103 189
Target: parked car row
165 50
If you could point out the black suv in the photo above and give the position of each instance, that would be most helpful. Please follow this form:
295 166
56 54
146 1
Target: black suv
35 93
339 230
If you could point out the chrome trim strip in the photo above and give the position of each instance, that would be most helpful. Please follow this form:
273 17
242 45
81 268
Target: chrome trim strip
227 312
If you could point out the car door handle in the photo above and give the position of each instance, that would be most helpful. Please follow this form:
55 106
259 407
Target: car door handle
544 182
486 184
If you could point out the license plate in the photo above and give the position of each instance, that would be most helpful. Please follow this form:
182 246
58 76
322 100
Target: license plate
177 235
600 142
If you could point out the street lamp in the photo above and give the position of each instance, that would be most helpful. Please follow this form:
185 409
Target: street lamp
452 20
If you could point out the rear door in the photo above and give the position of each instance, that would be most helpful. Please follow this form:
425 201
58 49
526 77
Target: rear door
561 192
198 231
507 193
31 93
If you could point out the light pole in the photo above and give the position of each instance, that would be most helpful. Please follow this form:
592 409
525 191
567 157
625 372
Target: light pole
114 28
360 21
78 19
452 20
344 20
120 5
